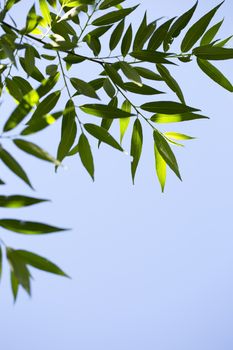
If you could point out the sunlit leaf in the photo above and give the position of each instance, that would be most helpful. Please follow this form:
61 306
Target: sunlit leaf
18 201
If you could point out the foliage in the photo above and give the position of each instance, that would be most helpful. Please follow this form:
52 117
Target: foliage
36 64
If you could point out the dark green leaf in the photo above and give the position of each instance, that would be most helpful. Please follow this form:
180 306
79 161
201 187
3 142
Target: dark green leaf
161 168
86 155
167 107
83 87
14 166
116 35
14 285
136 146
150 56
148 74
124 122
210 34
102 135
215 74
127 40
213 53
197 30
104 111
109 3
28 227
130 72
113 17
20 271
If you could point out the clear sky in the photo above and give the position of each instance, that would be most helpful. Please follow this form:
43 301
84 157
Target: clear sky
149 270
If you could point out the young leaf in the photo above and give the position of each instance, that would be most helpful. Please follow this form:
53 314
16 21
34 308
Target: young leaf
14 285
136 146
166 153
86 155
215 74
175 118
18 201
102 135
178 136
181 22
167 107
151 56
28 227
159 35
197 30
170 81
161 168
148 74
130 72
39 262
14 166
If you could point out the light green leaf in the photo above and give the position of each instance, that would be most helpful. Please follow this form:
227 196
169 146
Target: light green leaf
45 106
83 87
159 35
104 111
175 118
124 122
14 285
166 153
141 90
161 168
19 272
178 136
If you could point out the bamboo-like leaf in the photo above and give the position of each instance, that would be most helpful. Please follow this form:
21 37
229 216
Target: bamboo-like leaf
175 118
130 72
210 34
215 74
86 155
170 81
104 111
102 135
159 35
151 56
136 146
112 17
116 35
109 3
18 201
35 150
39 262
197 30
14 166
124 122
127 41
167 107
161 168
28 227
213 53
166 153
178 136
83 87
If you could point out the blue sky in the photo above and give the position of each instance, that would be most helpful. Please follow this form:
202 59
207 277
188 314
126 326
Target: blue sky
149 270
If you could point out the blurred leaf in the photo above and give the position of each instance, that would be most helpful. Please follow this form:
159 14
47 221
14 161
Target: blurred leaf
20 272
167 107
18 201
104 111
14 285
159 35
28 227
14 166
124 122
136 146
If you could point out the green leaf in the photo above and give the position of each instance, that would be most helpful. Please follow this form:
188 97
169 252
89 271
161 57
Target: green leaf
69 131
42 123
148 74
141 90
181 22
86 155
14 285
109 88
113 17
136 146
39 262
29 59
167 107
210 34
178 136
130 72
14 166
151 56
166 153
102 135
113 75
34 150
159 35
215 74
124 122
83 87
109 3
35 74
19 271
175 118
161 168
170 81
116 35
213 53
105 111
45 106
18 201
28 227
127 41
45 11
197 30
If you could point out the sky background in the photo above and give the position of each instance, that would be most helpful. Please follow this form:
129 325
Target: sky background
149 270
